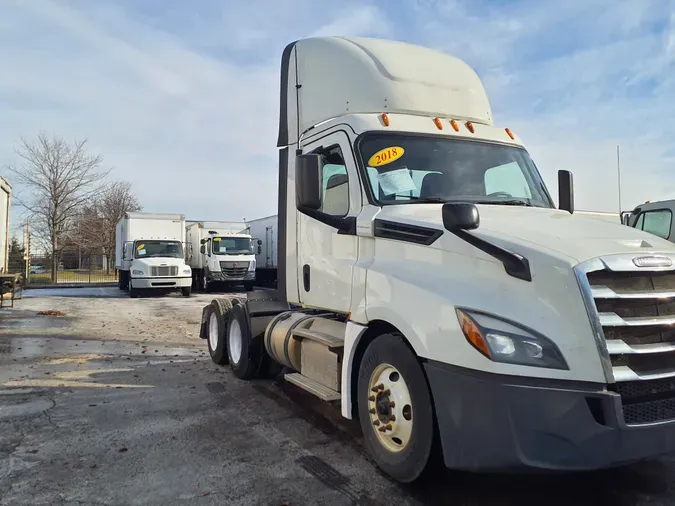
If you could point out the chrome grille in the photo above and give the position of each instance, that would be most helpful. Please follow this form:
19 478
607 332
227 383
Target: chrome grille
164 270
234 269
634 310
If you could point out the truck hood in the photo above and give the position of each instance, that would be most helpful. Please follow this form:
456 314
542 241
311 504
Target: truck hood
577 237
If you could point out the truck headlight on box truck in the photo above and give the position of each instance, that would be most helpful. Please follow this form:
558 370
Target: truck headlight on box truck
187 271
508 342
137 272
251 266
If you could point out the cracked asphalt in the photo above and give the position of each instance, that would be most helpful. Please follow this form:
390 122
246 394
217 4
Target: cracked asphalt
117 422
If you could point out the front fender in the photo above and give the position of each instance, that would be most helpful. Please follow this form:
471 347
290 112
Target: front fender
417 289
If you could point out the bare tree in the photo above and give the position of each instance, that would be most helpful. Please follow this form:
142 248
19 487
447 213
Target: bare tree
116 200
59 178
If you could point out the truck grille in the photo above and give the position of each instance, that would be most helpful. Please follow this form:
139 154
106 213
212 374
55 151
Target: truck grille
636 310
234 269
170 270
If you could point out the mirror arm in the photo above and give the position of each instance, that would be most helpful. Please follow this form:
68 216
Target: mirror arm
514 264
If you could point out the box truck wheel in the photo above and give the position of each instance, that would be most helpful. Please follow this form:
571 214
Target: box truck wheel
395 408
204 282
186 291
243 352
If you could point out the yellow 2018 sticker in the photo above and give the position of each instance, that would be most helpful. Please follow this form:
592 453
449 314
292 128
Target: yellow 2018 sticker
216 239
385 156
140 247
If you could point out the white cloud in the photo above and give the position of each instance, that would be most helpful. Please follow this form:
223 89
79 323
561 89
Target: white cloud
183 100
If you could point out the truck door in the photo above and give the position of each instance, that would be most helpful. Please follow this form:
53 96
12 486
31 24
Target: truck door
327 251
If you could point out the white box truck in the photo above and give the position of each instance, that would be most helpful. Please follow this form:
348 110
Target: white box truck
265 234
221 252
149 253
428 285
5 205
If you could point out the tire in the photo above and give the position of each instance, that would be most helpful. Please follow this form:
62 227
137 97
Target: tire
243 353
389 364
186 291
134 293
216 324
120 280
248 287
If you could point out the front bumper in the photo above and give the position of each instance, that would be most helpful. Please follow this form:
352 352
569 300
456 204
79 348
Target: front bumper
499 423
161 282
222 278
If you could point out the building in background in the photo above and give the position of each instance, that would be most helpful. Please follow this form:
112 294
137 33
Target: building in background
5 203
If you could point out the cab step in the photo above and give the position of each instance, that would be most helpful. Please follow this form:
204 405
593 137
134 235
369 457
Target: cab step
330 341
313 387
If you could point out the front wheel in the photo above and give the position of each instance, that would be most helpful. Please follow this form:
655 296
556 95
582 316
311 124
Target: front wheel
186 291
395 409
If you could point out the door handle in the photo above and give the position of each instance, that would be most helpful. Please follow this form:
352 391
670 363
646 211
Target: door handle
305 277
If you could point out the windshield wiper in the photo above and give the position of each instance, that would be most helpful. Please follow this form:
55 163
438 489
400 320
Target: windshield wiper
507 202
424 200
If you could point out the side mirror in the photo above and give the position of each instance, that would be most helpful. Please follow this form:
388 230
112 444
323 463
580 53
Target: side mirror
308 170
259 249
460 216
259 242
203 241
202 249
565 191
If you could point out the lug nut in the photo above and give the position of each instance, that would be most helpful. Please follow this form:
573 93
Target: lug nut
372 411
381 386
371 398
386 392
376 423
375 389
382 429
392 418
387 427
392 404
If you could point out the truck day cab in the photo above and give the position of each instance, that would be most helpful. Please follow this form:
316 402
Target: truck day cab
221 252
428 284
149 253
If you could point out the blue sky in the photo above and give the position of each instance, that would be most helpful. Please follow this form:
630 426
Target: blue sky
181 97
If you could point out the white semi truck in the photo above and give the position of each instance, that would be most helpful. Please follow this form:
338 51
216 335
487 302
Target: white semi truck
221 252
265 232
428 285
149 253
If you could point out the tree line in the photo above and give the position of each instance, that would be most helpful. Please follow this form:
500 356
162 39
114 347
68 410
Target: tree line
70 201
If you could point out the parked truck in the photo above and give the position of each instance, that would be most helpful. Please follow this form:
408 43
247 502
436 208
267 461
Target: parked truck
5 205
265 232
428 285
149 253
221 252
653 217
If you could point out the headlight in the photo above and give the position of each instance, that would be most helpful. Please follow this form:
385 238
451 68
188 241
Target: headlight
187 271
136 272
507 342
251 266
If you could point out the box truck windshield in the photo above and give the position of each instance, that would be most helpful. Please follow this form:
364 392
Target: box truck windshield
232 246
149 249
414 167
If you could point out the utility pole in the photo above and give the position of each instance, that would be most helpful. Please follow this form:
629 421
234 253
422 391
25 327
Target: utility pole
618 173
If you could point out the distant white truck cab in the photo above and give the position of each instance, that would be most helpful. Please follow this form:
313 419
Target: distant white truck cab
149 253
428 285
221 252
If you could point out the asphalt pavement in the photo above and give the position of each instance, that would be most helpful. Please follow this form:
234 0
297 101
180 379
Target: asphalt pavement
122 423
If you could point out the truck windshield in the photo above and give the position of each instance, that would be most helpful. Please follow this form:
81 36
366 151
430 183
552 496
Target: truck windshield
148 249
232 246
409 168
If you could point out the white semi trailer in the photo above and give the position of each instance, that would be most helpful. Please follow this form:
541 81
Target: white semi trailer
5 206
149 253
428 285
221 252
265 233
